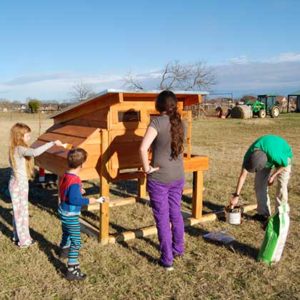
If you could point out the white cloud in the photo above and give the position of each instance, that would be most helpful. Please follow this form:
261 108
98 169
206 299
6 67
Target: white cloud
240 75
287 57
243 59
54 85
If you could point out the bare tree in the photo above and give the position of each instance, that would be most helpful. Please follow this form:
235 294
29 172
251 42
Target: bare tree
177 76
81 91
132 82
186 77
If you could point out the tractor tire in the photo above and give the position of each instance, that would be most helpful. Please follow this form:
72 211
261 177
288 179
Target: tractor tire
262 114
275 112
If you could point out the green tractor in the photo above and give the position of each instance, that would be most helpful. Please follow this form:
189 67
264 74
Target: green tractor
265 105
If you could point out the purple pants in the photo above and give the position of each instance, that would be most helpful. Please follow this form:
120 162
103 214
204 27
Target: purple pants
165 199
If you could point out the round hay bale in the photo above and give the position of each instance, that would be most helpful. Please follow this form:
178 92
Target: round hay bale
242 112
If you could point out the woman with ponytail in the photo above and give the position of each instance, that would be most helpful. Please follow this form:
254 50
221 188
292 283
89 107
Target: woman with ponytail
165 175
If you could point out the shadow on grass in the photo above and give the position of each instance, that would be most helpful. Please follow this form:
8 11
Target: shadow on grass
46 246
208 206
235 246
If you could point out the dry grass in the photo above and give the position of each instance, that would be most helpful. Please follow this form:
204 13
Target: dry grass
129 270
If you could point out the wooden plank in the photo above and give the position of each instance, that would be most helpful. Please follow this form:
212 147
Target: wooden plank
86 108
195 163
189 136
125 155
56 165
88 228
192 100
112 203
142 190
151 230
73 130
128 176
104 188
91 123
188 191
130 235
125 135
122 201
104 223
197 194
51 136
89 174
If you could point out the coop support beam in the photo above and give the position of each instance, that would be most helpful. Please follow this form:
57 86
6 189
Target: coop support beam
197 194
104 223
189 135
151 230
142 187
189 221
104 189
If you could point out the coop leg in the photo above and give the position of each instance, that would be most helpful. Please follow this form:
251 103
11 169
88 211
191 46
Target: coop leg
104 223
142 187
197 194
104 187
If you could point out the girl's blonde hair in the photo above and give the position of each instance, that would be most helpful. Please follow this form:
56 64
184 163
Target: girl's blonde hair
17 133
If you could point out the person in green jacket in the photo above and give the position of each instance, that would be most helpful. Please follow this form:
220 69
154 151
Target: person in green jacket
269 157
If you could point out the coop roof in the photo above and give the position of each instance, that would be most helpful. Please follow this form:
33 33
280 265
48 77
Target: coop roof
72 134
97 97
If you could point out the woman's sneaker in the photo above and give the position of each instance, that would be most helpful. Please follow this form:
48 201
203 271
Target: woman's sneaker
166 267
74 273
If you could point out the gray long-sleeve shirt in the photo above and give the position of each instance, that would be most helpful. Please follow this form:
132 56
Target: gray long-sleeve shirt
20 162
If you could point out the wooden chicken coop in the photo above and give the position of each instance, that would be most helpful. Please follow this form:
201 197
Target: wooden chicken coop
110 127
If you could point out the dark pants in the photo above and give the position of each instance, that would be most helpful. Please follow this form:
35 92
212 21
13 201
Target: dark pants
165 200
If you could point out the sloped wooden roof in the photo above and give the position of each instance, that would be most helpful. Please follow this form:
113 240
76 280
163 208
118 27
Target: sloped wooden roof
72 134
142 94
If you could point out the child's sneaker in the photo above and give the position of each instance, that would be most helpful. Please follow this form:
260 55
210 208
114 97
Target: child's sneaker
29 244
64 252
74 273
15 240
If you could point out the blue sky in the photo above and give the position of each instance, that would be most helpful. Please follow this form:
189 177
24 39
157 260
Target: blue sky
46 46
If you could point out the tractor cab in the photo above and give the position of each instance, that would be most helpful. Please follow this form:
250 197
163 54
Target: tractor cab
271 105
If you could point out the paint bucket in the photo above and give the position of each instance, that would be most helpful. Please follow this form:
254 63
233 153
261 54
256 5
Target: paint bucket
234 215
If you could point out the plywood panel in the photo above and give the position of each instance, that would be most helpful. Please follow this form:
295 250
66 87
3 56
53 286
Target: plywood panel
88 123
122 135
88 174
54 164
98 115
72 130
192 99
94 138
50 136
88 107
125 155
195 163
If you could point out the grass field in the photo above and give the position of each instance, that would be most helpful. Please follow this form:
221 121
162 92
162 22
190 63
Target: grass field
129 270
